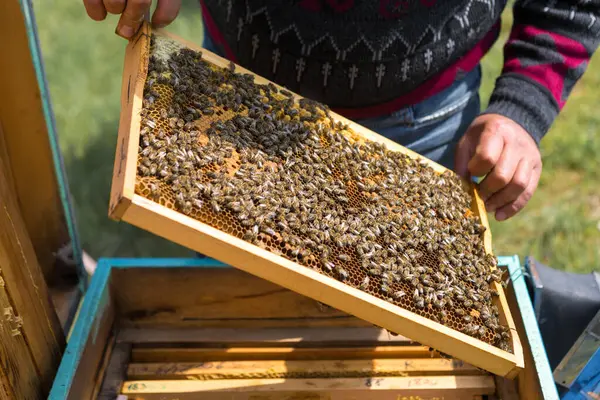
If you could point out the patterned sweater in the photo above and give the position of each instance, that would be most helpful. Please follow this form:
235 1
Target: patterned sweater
366 58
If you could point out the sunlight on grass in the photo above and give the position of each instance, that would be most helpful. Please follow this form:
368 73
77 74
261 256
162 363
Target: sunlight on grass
83 61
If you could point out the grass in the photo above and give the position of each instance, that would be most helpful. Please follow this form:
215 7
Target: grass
83 60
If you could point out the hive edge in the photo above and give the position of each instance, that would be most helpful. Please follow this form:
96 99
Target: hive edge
135 70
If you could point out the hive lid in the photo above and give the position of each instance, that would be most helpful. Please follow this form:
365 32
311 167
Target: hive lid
130 202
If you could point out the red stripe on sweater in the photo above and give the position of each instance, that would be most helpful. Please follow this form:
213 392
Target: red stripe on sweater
550 75
215 33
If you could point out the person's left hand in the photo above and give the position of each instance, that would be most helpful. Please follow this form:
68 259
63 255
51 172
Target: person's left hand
501 150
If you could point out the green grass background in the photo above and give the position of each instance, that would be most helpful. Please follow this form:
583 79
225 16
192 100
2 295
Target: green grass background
83 61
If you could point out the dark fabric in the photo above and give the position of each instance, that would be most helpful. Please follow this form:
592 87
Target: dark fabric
525 102
347 53
353 54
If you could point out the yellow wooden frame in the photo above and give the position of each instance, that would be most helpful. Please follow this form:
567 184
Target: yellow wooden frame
127 206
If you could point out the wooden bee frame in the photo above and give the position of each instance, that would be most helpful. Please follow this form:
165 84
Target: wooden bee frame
127 206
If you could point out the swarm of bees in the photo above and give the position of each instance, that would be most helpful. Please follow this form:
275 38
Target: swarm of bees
279 172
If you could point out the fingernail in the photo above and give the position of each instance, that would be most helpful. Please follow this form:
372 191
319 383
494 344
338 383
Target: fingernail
125 31
500 216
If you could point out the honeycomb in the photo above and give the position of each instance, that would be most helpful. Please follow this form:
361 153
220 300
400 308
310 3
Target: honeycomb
252 161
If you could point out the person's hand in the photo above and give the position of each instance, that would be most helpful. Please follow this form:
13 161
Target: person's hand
132 13
502 151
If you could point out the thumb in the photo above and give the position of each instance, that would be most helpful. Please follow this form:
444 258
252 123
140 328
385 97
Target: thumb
464 151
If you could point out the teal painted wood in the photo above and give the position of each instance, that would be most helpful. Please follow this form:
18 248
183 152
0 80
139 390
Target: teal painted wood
59 167
532 330
165 263
92 308
86 324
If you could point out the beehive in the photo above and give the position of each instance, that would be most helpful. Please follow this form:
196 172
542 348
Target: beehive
202 137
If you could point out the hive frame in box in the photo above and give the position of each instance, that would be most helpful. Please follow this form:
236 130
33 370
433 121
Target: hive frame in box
85 366
127 206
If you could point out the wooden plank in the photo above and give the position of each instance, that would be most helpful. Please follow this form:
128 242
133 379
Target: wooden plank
266 337
19 378
103 366
115 373
528 380
5 160
88 368
500 301
334 389
134 77
535 381
79 368
299 369
198 354
26 140
229 298
243 255
26 287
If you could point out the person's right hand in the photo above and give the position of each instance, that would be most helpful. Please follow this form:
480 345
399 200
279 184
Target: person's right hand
132 13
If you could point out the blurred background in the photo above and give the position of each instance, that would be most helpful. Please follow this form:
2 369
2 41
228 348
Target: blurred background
83 62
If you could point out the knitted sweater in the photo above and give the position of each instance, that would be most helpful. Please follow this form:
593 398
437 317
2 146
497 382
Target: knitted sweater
369 58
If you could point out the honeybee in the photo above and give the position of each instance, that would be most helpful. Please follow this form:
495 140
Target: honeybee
342 273
399 294
364 285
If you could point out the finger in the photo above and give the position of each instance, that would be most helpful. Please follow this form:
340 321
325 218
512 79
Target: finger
511 209
487 153
166 11
115 6
511 192
132 17
95 9
500 175
464 152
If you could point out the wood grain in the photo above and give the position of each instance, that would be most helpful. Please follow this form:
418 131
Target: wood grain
231 250
134 78
26 140
263 337
336 389
229 298
298 369
83 383
527 379
18 376
199 354
115 372
26 288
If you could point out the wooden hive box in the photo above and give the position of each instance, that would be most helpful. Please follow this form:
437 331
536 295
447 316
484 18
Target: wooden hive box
40 282
128 205
194 328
